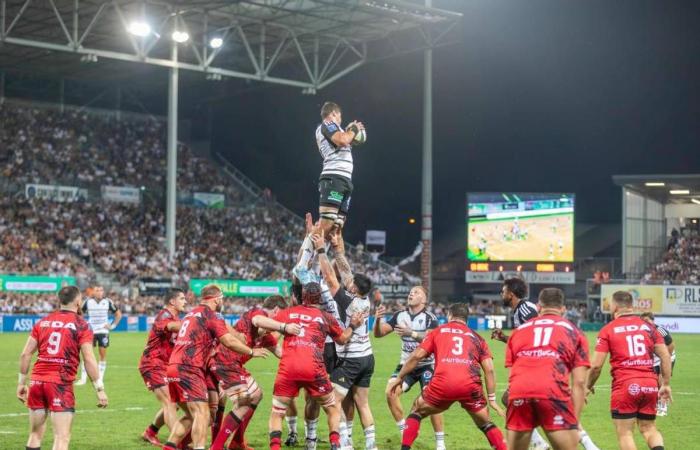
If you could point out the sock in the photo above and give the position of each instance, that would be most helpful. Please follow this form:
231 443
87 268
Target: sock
291 424
348 427
169 446
586 441
32 448
537 439
152 429
440 439
102 366
343 432
370 437
410 433
401 424
231 422
334 438
494 436
218 420
311 428
239 434
275 440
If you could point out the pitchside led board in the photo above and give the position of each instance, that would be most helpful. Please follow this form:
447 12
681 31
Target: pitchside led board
530 235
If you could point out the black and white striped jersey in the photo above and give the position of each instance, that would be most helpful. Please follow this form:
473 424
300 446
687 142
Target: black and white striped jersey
97 313
336 160
668 340
524 311
421 322
359 344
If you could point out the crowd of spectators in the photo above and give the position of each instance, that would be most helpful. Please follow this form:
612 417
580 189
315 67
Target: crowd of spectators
252 240
680 264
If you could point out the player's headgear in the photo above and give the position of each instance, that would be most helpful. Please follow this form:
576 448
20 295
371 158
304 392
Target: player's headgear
311 294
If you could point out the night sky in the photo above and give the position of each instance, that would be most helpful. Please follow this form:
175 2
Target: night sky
537 96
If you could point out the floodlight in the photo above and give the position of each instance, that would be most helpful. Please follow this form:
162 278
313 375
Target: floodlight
180 36
216 42
139 28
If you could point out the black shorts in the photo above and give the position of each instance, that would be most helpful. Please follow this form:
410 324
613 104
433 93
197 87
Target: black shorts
657 369
351 372
421 374
335 190
329 357
100 340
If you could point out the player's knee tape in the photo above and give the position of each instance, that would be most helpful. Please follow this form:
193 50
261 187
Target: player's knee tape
340 221
415 416
341 389
278 407
486 427
330 216
330 401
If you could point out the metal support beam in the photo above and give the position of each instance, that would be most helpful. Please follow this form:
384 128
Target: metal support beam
171 202
426 264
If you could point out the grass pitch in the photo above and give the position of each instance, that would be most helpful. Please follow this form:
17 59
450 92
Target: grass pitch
132 407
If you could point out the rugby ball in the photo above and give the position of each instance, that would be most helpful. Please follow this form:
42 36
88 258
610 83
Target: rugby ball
360 137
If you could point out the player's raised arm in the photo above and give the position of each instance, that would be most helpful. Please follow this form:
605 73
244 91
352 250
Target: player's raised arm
341 260
326 268
25 360
341 138
380 327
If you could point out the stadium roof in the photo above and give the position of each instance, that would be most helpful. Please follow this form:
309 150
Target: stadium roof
660 187
303 43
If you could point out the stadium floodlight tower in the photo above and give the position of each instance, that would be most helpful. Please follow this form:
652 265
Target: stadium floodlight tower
307 44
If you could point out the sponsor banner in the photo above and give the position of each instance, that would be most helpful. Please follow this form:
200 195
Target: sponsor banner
20 323
154 286
18 283
394 290
679 324
208 200
530 277
375 238
121 194
244 288
55 192
659 299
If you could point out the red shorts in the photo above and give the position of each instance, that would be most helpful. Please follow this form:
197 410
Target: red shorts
635 399
154 376
52 396
230 375
285 386
470 397
212 380
187 384
526 414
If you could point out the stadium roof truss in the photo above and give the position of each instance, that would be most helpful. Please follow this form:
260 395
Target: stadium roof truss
303 43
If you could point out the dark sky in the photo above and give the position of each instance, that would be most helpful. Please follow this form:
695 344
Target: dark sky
538 96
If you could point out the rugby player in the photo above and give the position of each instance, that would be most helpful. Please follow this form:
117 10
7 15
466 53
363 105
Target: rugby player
661 407
632 344
542 354
97 309
154 361
187 365
460 357
60 338
412 324
235 381
355 360
311 375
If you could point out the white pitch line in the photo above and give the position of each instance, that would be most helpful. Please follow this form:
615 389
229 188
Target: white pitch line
7 432
81 411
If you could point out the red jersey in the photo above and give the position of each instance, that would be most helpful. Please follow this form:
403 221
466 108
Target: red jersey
302 355
160 341
458 352
59 337
541 353
194 342
630 342
253 338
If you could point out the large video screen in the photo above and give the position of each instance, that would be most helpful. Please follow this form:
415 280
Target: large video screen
525 227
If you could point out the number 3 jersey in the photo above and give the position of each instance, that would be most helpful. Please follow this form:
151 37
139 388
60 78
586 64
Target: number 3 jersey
59 337
630 342
541 353
458 353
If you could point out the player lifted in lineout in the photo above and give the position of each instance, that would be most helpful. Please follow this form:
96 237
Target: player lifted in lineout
412 324
97 308
60 338
460 356
632 343
542 354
